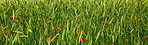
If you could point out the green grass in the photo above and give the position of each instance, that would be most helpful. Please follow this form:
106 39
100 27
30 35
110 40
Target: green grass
30 24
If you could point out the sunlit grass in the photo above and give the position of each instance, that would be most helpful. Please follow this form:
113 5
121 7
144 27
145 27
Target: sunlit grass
102 22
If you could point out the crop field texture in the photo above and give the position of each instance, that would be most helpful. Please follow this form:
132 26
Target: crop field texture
73 22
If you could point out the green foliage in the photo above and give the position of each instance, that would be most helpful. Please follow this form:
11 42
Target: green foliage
30 24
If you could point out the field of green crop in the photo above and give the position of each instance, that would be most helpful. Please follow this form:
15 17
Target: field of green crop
73 22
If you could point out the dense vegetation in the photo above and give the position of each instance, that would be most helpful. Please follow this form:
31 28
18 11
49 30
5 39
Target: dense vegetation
73 22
